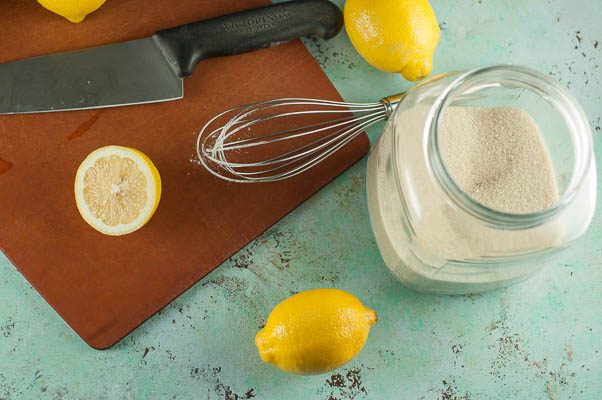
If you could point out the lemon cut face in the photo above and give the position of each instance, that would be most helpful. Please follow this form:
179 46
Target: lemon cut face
117 190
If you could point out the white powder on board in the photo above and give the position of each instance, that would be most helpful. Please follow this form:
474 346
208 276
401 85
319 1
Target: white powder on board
498 157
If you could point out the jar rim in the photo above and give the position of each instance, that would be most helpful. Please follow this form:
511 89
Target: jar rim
542 85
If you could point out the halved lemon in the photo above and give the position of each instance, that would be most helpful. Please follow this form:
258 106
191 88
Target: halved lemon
117 190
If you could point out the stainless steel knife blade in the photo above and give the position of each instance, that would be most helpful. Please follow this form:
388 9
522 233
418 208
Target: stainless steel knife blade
152 70
119 74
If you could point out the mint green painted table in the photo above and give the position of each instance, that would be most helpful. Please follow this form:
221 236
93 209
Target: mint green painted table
537 340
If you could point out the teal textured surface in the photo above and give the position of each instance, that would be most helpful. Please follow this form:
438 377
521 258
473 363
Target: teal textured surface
536 340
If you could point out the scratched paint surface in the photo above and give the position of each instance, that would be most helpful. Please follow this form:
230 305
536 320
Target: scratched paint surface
536 340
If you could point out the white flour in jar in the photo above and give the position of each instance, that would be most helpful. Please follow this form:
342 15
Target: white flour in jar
498 157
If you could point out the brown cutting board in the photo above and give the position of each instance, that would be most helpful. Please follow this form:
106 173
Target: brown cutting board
104 287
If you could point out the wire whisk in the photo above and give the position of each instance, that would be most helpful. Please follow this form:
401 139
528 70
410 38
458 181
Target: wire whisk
281 138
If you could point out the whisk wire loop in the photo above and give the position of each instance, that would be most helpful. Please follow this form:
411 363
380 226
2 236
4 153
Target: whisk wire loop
241 150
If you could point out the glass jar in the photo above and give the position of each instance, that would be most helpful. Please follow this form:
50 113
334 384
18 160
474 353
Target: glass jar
435 237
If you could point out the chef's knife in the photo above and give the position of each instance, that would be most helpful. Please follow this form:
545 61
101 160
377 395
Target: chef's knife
152 69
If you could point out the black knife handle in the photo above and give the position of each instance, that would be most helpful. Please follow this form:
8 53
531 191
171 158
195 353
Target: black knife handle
186 45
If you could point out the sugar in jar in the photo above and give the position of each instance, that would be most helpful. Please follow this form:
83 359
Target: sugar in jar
478 178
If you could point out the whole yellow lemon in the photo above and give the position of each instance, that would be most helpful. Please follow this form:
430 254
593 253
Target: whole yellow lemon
74 10
394 35
315 331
